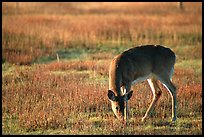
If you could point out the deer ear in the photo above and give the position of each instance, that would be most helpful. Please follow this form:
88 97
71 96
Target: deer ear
111 95
129 94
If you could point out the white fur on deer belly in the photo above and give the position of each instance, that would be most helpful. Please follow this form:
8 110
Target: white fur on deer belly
140 79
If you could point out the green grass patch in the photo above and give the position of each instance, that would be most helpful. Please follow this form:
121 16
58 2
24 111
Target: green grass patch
10 125
83 53
193 64
188 52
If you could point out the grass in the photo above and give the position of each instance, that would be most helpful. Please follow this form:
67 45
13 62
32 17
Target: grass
96 126
41 95
68 31
192 64
42 102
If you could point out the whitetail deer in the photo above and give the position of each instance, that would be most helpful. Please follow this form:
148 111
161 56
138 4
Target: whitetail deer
147 62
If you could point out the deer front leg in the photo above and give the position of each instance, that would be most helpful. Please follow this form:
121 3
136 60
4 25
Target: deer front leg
125 89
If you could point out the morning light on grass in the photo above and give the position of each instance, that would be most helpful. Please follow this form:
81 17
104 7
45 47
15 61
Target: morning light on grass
56 59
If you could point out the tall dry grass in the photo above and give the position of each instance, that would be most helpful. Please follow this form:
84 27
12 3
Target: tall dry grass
71 95
32 35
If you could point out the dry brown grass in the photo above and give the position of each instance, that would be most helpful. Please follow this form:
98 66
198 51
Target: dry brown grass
94 28
35 35
39 98
70 96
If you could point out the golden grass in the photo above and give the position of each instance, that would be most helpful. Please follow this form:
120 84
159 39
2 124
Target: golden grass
27 37
70 96
94 28
99 28
38 98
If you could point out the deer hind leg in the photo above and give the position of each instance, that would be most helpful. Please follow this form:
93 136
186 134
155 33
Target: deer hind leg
165 79
171 73
156 95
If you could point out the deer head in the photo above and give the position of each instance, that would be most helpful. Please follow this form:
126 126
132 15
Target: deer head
119 104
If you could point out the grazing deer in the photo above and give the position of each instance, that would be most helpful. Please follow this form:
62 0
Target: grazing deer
138 64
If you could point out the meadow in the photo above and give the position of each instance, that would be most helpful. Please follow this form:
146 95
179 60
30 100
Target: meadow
56 56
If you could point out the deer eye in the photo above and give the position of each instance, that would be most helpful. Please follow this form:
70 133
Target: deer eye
117 108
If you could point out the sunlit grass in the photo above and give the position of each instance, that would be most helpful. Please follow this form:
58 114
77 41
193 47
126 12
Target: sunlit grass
46 94
192 64
70 91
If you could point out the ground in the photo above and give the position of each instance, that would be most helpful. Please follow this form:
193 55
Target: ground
56 58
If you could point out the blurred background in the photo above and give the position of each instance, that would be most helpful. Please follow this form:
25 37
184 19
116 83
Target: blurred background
38 29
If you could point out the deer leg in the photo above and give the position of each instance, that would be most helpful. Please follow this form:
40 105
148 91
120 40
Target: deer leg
156 95
126 88
122 88
172 90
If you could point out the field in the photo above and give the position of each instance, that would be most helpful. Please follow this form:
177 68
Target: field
56 56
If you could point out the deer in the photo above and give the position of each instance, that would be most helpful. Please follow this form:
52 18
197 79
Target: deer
153 63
